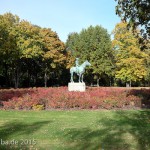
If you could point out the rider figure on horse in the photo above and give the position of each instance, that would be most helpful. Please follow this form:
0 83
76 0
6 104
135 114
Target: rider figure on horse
77 65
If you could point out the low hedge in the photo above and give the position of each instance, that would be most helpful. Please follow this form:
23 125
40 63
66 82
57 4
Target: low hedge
61 98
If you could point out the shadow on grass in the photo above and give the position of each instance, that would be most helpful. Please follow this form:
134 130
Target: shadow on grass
19 129
124 131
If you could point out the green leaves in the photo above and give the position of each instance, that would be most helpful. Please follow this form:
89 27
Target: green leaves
93 44
137 13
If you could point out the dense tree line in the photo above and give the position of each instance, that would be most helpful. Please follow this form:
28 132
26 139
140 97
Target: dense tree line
30 55
35 56
120 62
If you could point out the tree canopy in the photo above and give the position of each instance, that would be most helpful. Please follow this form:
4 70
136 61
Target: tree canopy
130 60
29 52
137 12
35 56
93 44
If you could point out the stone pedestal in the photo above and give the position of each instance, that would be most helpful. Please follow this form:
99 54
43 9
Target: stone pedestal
76 87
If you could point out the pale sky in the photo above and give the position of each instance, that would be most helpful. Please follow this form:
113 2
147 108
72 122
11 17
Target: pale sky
64 16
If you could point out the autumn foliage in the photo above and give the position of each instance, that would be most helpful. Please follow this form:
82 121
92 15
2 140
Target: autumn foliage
130 60
61 98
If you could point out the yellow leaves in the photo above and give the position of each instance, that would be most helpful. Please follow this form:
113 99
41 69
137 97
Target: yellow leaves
123 37
54 48
130 60
131 68
53 65
50 54
31 41
69 60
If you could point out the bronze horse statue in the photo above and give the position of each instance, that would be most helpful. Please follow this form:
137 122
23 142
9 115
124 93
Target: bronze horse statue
79 70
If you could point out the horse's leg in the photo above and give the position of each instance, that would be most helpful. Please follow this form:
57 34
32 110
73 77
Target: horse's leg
71 76
82 78
79 77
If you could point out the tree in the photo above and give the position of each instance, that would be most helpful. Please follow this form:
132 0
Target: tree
137 12
28 48
93 44
147 51
130 60
8 46
54 53
29 52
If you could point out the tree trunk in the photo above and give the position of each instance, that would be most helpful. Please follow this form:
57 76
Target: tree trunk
28 78
16 78
148 83
35 80
6 76
127 84
45 79
110 82
98 82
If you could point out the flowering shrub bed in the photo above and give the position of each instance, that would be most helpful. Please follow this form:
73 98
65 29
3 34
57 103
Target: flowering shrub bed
60 97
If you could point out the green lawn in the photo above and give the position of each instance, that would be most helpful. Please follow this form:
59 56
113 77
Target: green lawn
78 130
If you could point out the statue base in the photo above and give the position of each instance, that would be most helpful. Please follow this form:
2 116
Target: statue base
76 87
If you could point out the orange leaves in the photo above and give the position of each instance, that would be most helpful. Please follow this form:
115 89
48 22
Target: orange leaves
54 49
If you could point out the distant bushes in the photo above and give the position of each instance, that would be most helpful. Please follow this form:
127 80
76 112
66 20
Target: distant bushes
61 98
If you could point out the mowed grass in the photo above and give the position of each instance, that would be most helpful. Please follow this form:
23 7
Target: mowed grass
75 130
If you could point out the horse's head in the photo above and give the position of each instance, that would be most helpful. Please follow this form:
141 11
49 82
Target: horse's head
87 63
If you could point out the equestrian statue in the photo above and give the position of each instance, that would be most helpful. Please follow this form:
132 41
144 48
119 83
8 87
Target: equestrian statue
79 69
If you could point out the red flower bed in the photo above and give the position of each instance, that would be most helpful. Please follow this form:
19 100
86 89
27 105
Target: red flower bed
60 97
